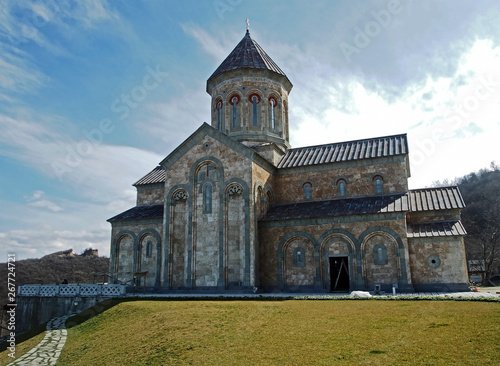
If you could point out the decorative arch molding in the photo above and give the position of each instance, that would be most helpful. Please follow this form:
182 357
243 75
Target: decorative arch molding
256 186
306 181
142 234
340 179
326 240
179 194
115 248
377 230
237 181
274 95
253 92
234 93
172 193
233 188
268 196
339 233
200 162
282 247
216 195
400 248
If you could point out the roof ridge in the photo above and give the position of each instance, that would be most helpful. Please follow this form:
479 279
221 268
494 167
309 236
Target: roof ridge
432 188
348 142
247 54
374 147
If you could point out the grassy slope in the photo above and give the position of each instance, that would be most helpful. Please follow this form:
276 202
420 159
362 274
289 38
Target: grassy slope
288 332
21 349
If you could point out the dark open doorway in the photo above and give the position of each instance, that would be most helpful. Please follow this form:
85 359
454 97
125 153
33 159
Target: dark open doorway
339 274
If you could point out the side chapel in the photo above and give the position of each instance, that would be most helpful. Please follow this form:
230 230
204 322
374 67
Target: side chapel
234 208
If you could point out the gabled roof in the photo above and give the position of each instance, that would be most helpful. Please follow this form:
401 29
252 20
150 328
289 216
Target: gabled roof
338 207
206 130
248 54
140 213
440 198
345 151
435 229
157 175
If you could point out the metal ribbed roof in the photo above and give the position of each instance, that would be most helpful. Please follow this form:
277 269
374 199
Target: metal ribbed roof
441 198
247 54
345 151
140 213
157 175
435 229
338 207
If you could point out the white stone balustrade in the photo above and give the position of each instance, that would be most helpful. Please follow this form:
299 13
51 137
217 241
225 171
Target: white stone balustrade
70 290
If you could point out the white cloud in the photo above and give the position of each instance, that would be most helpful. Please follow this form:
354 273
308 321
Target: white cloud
98 171
35 233
217 47
46 204
38 200
170 123
451 131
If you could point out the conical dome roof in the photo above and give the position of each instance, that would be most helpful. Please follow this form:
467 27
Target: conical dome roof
248 54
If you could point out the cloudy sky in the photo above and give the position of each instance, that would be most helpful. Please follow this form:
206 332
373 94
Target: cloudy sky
94 94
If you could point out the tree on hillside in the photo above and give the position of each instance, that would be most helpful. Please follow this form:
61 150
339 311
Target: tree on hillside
481 217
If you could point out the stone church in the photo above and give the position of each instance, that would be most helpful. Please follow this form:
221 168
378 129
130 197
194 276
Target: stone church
235 209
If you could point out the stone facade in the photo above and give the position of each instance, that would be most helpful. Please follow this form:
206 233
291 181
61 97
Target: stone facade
234 208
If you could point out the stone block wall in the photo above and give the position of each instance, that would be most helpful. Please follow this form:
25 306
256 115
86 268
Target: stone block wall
209 237
352 237
136 246
358 176
150 194
438 264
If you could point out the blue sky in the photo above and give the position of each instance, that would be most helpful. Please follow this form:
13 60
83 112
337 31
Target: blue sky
94 94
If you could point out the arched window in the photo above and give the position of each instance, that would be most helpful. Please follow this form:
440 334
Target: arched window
272 102
341 188
149 249
307 187
299 257
234 100
255 100
380 254
378 184
219 115
207 198
269 200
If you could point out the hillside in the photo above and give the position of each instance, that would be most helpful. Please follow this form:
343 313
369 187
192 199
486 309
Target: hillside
56 267
481 219
293 332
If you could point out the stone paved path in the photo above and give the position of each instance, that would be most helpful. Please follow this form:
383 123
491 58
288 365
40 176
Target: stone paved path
49 349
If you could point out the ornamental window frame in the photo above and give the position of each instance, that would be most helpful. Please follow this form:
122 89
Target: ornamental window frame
307 190
273 103
380 254
341 185
378 184
219 104
299 257
149 249
234 100
254 100
207 195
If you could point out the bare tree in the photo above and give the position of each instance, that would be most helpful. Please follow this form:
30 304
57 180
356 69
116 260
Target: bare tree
481 218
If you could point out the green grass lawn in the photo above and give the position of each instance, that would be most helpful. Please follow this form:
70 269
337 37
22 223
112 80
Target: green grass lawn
21 348
294 332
